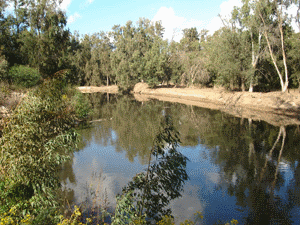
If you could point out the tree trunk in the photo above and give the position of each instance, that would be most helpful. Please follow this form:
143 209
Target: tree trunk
284 84
251 86
243 85
254 58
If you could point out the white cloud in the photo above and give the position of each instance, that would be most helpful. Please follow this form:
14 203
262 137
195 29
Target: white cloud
65 4
89 1
174 24
10 6
86 3
73 18
292 11
225 11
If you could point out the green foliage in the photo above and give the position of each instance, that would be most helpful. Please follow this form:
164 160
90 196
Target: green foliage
190 40
35 35
81 105
91 60
3 68
228 53
36 139
138 53
24 76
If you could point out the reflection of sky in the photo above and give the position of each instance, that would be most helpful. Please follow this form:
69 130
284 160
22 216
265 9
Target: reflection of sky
101 169
205 175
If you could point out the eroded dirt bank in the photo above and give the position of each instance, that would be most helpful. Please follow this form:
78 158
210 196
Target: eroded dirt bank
273 107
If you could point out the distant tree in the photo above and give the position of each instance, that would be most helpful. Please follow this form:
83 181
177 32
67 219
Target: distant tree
156 65
193 62
139 53
91 59
174 63
229 59
190 40
252 24
293 48
274 22
35 34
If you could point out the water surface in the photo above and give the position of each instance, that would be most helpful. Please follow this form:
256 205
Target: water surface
238 168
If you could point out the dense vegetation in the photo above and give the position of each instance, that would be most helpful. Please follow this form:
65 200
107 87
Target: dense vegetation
255 50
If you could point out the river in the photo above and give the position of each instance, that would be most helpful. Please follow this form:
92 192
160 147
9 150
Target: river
238 168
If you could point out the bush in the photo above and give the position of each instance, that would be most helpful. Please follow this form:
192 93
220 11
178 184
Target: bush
24 76
36 139
3 68
81 105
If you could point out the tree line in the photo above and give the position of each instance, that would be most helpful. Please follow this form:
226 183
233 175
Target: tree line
255 50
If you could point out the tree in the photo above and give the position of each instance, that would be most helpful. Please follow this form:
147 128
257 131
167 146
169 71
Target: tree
229 60
37 138
131 45
193 62
91 59
190 40
37 33
250 23
273 17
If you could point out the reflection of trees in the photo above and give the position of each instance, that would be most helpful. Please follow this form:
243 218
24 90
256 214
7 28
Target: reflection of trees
136 126
150 192
250 161
247 151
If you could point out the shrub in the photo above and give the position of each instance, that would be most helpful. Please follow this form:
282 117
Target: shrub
24 76
37 138
81 105
3 68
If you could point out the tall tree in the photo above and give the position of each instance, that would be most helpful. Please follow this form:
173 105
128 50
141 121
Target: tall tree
273 16
250 23
229 59
131 46
92 59
194 63
39 28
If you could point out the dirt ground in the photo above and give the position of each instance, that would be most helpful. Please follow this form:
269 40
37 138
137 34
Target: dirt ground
92 89
274 107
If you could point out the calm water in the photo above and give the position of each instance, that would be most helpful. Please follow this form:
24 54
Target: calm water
237 168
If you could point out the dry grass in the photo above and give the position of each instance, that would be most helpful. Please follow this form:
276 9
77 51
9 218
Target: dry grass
9 99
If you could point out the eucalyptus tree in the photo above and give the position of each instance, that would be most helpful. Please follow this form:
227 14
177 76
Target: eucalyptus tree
174 63
3 62
148 195
229 60
131 44
40 34
274 20
156 68
251 24
91 60
293 48
194 66
8 38
37 138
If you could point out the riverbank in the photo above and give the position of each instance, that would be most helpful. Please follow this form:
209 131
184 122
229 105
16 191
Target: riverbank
275 108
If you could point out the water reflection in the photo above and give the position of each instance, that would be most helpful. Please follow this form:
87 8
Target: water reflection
239 168
150 192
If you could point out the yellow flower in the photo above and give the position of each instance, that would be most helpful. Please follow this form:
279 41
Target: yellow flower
234 222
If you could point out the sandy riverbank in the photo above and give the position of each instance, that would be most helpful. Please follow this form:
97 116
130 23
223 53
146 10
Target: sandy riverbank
274 107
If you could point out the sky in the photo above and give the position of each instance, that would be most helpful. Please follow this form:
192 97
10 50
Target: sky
90 16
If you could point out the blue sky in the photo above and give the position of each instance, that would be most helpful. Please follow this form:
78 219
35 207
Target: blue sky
90 16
